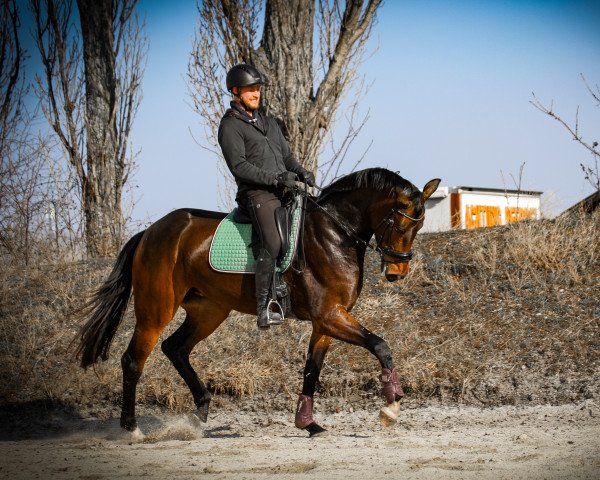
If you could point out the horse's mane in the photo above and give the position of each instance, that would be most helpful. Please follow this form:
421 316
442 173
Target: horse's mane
371 178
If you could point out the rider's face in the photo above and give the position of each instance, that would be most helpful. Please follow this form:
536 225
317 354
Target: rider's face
250 96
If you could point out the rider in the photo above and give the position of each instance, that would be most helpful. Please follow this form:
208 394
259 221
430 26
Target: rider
263 166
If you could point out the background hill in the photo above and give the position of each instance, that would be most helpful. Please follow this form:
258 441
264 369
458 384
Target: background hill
500 316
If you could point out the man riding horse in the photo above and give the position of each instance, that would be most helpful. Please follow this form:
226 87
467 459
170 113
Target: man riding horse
166 266
260 159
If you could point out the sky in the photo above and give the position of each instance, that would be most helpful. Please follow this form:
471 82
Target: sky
449 97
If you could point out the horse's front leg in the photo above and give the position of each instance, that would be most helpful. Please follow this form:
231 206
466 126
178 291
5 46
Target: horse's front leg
341 325
317 349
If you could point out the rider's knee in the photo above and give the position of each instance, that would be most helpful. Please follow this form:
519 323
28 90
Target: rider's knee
273 245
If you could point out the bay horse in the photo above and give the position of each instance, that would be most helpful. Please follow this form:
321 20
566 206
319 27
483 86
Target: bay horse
167 266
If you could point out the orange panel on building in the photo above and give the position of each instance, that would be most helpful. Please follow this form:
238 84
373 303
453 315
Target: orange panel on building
455 210
514 214
482 216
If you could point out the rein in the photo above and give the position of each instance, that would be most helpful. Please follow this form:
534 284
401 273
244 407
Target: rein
391 226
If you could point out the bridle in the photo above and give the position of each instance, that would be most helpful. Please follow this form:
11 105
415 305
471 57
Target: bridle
390 225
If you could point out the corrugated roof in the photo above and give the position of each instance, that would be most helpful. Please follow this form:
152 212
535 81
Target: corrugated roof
498 190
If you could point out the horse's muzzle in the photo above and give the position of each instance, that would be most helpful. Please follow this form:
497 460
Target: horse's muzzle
396 271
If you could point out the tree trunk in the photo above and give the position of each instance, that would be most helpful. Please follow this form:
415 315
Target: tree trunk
103 184
286 57
309 53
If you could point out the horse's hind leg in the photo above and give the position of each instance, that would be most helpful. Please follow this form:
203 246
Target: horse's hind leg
203 317
152 316
143 341
317 349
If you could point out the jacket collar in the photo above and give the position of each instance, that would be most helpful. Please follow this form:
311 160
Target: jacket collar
237 111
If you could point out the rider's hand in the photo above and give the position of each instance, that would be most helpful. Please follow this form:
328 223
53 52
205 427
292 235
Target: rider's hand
308 178
287 179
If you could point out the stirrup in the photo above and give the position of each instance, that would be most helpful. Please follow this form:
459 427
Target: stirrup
277 315
273 317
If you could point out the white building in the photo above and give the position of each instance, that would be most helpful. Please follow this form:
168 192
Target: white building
470 207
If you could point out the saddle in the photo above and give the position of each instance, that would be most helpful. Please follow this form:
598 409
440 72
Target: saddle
231 249
282 220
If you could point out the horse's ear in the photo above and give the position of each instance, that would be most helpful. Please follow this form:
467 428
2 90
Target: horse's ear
430 187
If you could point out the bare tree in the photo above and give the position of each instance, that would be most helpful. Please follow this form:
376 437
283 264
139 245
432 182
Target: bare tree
306 82
90 96
591 171
37 208
17 179
24 214
11 78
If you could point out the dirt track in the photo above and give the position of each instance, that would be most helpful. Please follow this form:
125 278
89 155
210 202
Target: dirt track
506 442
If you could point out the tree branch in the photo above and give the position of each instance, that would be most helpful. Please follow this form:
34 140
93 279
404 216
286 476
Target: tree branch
353 27
574 131
11 55
591 172
62 88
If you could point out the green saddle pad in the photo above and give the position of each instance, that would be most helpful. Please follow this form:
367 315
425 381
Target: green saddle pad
230 249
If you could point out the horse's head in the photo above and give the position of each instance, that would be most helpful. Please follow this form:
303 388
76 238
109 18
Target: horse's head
401 218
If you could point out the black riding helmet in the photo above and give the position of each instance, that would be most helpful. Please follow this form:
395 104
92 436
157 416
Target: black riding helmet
243 75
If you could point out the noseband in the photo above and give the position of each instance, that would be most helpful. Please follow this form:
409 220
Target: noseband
390 225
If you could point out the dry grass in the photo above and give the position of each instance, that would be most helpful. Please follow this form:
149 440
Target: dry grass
493 316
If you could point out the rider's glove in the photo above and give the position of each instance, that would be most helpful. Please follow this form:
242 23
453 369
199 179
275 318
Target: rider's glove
286 179
308 178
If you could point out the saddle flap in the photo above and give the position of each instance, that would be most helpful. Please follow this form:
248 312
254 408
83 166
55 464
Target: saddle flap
282 220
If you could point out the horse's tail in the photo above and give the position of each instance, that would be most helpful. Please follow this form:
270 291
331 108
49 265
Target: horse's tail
107 307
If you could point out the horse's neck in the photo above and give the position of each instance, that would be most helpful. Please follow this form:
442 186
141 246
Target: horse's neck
352 210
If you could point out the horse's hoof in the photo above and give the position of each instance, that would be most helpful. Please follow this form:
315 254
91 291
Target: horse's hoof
137 436
123 435
194 420
202 413
129 424
315 430
389 413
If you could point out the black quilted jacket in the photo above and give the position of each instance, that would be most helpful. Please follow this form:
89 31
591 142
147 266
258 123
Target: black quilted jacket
255 150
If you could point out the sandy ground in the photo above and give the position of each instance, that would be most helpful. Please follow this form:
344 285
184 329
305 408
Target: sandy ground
544 442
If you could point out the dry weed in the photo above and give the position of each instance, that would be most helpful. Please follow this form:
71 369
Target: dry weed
493 316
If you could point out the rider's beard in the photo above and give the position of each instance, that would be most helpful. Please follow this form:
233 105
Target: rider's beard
249 106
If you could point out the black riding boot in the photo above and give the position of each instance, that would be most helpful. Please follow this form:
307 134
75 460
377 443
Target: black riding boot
265 268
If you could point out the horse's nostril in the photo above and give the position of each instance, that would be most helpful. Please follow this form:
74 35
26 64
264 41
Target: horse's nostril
391 278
